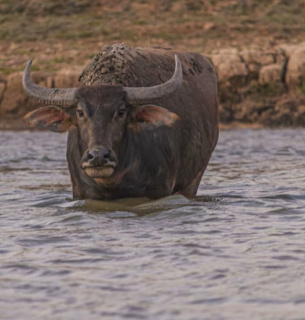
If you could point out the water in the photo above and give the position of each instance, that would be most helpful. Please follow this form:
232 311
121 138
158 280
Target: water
236 251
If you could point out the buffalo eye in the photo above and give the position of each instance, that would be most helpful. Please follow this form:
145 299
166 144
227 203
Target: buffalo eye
80 113
121 112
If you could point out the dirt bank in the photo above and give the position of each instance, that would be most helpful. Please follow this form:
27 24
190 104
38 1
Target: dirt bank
256 47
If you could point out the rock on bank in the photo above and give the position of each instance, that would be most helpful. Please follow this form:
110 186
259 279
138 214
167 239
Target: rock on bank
262 86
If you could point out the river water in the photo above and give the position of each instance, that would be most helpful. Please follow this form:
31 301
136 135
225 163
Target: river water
236 251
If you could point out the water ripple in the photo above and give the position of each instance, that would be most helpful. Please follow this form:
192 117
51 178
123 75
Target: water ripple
236 250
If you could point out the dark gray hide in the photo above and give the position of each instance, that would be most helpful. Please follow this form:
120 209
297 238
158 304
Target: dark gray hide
150 160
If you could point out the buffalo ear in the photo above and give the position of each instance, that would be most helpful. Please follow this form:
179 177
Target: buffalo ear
151 116
50 118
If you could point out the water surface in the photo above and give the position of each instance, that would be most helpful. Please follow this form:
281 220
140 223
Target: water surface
236 251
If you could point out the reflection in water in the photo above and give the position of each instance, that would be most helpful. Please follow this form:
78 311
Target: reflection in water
235 251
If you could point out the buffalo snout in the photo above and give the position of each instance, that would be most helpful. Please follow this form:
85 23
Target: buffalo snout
99 157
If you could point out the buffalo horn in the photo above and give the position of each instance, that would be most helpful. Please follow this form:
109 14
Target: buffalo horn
149 94
61 97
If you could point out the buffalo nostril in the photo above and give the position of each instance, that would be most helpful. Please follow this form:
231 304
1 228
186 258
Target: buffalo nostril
107 155
90 156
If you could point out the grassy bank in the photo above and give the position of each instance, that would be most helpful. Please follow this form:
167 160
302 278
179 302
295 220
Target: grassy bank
261 78
59 33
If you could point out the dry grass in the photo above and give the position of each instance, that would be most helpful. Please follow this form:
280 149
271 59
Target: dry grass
60 32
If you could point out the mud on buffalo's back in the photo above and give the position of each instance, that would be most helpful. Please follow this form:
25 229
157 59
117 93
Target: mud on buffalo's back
139 67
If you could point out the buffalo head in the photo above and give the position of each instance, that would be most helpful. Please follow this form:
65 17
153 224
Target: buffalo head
101 114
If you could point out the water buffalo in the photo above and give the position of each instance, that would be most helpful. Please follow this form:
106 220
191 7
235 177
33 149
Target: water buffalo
151 136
